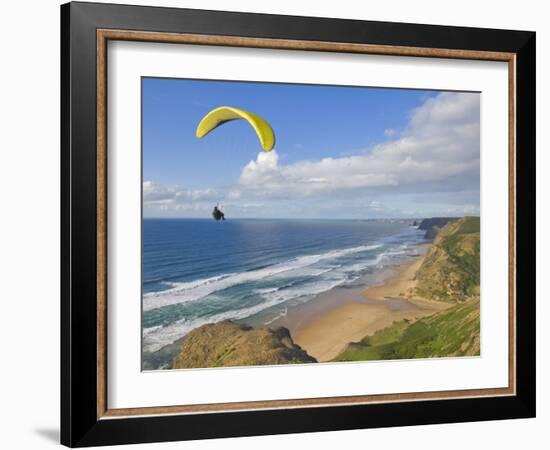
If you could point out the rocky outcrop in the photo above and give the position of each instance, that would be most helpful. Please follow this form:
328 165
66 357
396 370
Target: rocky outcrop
227 343
433 225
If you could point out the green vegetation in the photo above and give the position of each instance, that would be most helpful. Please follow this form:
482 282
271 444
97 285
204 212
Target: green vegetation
452 332
451 269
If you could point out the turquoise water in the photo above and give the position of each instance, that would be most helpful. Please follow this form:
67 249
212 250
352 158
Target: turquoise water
197 271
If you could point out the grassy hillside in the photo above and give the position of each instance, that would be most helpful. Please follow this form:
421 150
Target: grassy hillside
451 269
452 332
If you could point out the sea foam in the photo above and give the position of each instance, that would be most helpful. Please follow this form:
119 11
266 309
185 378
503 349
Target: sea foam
183 292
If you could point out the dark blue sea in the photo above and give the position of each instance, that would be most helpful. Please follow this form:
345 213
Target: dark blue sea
197 271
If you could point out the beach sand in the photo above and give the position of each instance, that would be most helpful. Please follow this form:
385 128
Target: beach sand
328 333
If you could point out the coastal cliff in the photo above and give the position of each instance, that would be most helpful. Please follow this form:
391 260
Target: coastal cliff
451 269
433 225
227 343
450 273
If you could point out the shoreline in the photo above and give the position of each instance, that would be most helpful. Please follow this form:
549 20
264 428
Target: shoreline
326 324
361 312
302 315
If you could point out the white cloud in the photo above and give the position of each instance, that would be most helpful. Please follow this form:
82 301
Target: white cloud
441 141
175 196
375 205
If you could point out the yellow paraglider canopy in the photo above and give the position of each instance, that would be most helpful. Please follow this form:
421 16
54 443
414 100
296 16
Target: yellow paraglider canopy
223 114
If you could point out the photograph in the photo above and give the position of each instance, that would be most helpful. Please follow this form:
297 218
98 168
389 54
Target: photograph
298 223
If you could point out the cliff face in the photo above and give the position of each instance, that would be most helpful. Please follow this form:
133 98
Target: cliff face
451 269
434 225
226 343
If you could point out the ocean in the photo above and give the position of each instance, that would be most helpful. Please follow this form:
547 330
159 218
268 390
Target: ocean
197 271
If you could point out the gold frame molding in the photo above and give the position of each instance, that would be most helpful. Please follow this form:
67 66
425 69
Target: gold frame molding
103 36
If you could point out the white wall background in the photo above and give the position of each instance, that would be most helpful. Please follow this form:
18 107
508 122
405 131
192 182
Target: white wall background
29 223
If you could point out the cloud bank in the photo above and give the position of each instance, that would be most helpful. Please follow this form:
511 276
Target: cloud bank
442 141
439 150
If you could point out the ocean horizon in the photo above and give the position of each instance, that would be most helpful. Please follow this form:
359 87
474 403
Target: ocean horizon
198 271
299 219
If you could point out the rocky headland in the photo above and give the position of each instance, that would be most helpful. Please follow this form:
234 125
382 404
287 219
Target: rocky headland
227 343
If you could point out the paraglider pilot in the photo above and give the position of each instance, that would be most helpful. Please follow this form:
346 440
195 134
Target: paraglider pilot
217 214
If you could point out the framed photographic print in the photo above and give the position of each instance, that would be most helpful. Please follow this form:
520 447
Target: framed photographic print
276 224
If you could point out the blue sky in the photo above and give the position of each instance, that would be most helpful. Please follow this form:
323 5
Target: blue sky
320 130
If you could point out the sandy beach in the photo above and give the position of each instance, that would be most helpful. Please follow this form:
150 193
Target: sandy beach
328 334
